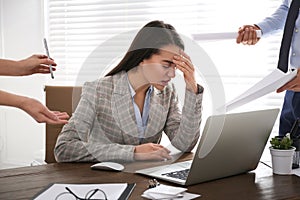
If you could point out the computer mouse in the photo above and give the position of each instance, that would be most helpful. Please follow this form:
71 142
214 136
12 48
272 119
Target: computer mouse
113 166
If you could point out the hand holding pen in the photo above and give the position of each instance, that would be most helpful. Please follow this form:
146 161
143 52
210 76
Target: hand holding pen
31 65
48 54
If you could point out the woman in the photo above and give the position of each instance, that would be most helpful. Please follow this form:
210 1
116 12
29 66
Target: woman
122 116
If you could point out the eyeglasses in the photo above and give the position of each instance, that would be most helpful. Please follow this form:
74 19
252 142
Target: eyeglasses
95 194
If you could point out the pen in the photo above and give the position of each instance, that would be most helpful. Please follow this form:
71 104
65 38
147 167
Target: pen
294 130
48 54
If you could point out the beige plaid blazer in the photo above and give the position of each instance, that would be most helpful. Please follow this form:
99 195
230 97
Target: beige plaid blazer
103 127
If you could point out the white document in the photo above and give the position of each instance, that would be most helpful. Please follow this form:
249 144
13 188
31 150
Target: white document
112 191
296 172
168 192
219 36
269 84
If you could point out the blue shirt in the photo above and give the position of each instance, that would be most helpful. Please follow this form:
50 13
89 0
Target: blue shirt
141 119
276 22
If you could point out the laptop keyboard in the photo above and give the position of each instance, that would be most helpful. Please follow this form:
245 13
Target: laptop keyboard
182 174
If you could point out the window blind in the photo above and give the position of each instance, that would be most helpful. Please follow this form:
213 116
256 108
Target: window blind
77 29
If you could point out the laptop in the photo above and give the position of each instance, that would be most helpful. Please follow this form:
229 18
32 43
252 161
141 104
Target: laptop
230 144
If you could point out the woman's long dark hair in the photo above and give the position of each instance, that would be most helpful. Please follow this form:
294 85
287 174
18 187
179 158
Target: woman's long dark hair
147 42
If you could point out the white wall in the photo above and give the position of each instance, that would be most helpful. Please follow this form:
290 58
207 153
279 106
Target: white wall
21 35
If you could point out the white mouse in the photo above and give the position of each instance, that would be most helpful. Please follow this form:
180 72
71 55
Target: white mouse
113 166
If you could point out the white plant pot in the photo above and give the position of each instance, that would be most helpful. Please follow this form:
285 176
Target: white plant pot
282 160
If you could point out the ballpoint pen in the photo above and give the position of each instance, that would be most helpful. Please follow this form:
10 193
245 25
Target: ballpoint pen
48 54
294 130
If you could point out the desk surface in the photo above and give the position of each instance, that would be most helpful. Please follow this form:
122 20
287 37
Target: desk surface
25 182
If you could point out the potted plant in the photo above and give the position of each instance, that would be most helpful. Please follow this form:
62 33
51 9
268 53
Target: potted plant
282 153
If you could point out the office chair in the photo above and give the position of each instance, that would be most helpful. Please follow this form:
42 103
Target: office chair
60 98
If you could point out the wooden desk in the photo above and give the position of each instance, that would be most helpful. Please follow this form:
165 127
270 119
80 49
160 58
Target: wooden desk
25 182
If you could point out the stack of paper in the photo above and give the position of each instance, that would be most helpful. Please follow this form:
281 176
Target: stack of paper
168 192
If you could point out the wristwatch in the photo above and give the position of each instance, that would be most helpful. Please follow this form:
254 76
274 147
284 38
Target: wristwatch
200 89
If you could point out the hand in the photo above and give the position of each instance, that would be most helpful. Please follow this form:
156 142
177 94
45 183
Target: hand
184 64
247 35
151 151
293 85
35 64
42 114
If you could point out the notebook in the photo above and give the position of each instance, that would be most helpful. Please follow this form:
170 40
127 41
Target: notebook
230 144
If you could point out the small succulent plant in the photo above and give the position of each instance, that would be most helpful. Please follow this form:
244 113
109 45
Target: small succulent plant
282 142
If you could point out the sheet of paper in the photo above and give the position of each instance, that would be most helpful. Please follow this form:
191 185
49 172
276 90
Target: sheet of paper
296 172
168 192
269 84
112 191
166 189
219 36
183 196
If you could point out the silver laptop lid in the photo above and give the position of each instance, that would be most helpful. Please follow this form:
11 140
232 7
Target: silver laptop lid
231 144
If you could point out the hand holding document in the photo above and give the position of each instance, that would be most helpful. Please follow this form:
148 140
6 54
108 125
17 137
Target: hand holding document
269 84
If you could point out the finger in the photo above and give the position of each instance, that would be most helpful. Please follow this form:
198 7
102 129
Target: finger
47 61
246 36
57 113
44 70
49 114
158 145
57 120
157 148
182 66
288 85
184 58
250 39
165 154
159 155
253 36
41 56
241 30
63 116
161 148
239 38
54 122
184 63
185 55
281 89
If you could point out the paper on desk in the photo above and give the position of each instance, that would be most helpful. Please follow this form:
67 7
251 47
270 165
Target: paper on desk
296 171
112 191
182 196
269 84
219 36
168 192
